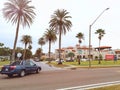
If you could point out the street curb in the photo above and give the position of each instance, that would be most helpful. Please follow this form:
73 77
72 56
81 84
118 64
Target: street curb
93 67
72 68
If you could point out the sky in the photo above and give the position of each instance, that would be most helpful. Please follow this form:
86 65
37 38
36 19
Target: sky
83 13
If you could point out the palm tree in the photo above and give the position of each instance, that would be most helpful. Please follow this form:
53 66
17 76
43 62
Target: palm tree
26 39
41 42
38 53
100 33
80 36
50 36
30 47
18 12
60 23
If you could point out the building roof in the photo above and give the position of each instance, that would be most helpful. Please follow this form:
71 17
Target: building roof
83 47
103 47
70 47
117 50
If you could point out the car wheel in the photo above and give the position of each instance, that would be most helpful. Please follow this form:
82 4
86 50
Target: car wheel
10 75
38 70
22 73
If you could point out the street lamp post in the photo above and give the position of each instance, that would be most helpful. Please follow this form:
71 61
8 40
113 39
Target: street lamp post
90 35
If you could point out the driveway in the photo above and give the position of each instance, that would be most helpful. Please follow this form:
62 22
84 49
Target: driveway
46 67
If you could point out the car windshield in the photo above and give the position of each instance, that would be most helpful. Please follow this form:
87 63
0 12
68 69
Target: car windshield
16 63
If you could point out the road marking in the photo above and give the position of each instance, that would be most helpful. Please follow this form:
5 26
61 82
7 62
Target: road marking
86 87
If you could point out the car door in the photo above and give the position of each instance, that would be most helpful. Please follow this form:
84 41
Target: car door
33 66
28 66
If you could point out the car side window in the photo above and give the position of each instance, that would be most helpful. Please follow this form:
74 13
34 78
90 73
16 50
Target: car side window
32 64
27 63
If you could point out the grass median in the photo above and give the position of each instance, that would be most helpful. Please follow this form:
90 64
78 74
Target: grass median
113 87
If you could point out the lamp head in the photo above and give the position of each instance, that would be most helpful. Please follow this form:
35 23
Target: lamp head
107 8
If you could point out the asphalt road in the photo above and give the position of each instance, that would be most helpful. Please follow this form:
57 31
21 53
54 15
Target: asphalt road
57 79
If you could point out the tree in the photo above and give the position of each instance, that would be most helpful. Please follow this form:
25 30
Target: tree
100 33
26 39
30 47
41 42
18 12
80 36
71 55
5 51
50 36
1 44
28 54
38 53
60 23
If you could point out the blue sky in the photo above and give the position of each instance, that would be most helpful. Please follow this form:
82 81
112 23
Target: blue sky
83 13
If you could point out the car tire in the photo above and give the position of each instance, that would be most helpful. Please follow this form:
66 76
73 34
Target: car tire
22 73
10 75
38 70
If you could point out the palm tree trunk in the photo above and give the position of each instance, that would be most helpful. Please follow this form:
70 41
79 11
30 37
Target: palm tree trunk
15 41
60 47
24 52
79 56
99 53
49 50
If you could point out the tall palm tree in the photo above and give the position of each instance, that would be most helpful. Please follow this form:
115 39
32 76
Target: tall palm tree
41 42
80 36
26 39
60 23
50 36
100 33
30 47
19 12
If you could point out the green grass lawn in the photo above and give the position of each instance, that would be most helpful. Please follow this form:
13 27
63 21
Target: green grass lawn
4 62
114 87
95 62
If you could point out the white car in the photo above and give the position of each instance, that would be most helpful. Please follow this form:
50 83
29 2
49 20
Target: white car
84 59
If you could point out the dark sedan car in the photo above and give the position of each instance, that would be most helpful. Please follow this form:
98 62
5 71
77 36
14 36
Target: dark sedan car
20 68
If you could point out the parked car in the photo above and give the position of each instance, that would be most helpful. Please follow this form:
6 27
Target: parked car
20 68
69 60
84 59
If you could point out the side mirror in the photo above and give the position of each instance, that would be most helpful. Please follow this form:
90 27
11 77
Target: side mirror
34 65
